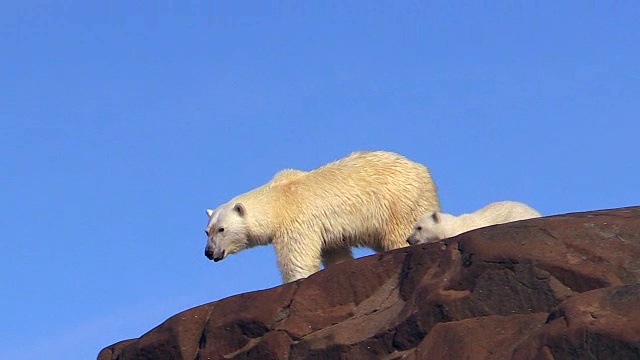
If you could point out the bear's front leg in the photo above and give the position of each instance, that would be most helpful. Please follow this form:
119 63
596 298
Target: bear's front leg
297 258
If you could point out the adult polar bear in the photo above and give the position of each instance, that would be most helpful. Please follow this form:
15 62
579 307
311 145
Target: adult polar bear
369 198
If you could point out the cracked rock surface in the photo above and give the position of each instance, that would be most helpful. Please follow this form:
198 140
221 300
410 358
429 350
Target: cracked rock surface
560 287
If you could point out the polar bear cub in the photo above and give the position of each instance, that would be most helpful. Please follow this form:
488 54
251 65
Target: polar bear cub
369 198
435 226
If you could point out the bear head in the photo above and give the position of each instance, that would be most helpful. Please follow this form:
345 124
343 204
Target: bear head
427 229
226 231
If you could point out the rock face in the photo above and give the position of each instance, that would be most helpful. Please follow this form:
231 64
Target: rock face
560 287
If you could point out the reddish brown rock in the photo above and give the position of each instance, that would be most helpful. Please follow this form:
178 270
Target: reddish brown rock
485 337
549 288
599 324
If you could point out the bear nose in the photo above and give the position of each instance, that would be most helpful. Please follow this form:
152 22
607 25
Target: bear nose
208 253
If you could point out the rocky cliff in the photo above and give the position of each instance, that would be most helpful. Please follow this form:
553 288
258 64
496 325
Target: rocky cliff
560 287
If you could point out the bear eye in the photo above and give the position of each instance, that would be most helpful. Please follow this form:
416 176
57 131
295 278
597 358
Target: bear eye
221 229
419 228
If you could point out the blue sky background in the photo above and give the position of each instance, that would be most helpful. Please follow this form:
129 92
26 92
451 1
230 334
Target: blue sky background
121 122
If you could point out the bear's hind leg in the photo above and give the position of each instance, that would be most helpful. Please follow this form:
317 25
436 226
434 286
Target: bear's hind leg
336 255
395 238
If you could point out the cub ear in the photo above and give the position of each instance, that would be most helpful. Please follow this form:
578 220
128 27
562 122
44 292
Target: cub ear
209 212
239 208
436 217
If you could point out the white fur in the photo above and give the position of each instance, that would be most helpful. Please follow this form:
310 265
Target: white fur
366 199
435 226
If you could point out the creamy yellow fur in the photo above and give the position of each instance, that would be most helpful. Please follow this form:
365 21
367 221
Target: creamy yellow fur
365 199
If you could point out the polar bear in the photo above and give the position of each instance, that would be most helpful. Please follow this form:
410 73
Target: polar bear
435 226
369 198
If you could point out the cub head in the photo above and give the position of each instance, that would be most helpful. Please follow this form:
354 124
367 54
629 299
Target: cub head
226 231
427 229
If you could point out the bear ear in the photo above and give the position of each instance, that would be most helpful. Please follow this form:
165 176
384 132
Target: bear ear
436 217
209 212
239 208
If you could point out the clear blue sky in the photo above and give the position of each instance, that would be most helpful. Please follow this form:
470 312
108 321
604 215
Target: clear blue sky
121 122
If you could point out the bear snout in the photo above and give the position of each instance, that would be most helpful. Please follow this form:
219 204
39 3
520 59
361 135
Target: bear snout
211 254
